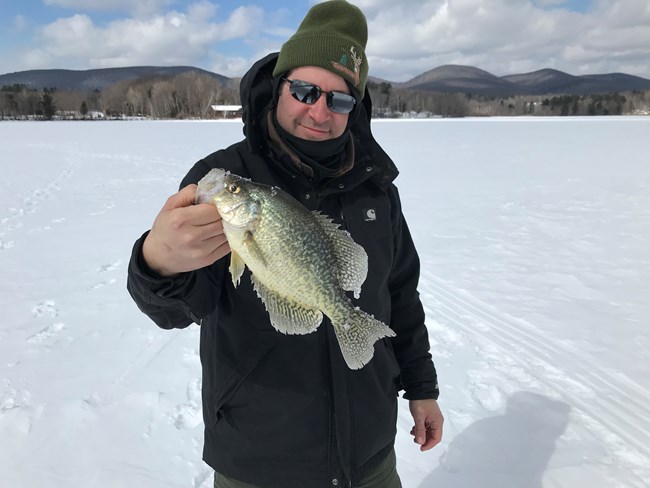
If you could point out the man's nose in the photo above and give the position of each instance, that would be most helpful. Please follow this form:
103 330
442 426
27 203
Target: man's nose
319 111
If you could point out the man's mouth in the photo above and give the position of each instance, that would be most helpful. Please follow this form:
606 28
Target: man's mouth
315 130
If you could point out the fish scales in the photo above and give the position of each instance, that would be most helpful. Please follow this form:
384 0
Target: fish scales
310 273
301 263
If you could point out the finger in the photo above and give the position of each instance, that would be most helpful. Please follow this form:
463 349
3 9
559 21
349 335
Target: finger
434 436
427 436
419 434
210 231
205 213
220 251
184 198
420 427
212 243
211 251
205 253
207 208
196 215
436 431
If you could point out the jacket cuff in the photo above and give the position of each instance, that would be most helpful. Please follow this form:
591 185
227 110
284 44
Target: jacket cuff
423 393
157 291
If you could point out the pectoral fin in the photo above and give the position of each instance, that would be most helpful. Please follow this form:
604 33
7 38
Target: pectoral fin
237 263
254 249
236 267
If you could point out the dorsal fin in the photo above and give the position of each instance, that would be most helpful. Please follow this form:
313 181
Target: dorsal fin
351 258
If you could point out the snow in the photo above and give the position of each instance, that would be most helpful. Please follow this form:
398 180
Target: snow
533 235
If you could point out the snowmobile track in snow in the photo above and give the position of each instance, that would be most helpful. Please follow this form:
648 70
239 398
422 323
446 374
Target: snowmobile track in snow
618 405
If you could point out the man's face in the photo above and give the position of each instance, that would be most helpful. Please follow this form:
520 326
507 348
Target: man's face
312 122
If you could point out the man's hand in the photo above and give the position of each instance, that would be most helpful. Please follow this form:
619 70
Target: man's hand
184 236
427 431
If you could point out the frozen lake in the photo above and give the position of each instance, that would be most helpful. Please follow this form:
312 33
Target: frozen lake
533 235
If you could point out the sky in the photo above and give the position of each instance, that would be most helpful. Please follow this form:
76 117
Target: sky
406 38
535 282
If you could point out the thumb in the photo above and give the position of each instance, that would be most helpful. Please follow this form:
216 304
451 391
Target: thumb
184 198
420 429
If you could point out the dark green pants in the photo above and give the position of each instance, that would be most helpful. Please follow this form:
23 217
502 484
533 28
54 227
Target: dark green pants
383 476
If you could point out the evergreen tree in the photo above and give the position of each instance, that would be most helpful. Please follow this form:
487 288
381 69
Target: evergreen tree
47 105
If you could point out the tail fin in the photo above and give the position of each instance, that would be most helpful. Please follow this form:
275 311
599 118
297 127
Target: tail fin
357 334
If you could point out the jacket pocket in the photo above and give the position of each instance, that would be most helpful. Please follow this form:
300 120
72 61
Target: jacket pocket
394 364
233 382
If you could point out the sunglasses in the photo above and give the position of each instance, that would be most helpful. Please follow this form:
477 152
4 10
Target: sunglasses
308 93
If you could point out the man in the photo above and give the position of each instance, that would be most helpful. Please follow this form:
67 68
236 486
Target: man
285 410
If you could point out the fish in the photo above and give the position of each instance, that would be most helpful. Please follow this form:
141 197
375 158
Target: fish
301 262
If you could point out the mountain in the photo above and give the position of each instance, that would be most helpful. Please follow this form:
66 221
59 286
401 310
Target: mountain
64 79
544 81
447 79
467 79
552 81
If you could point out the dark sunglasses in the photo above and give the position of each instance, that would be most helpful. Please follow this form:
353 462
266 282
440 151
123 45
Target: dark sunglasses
308 93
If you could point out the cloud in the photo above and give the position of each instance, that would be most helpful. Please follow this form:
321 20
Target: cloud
406 38
229 66
19 23
138 8
166 39
505 36
547 3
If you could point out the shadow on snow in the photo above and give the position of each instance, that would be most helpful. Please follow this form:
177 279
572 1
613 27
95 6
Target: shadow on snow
507 451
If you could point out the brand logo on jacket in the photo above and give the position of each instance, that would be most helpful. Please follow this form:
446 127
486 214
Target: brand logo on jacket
369 215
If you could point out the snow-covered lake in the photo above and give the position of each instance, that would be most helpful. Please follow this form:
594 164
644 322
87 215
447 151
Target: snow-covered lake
533 234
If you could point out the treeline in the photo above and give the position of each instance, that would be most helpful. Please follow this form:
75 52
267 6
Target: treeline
187 95
17 101
390 102
191 95
628 103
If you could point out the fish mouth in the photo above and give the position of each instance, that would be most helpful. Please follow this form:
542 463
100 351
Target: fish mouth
204 195
211 185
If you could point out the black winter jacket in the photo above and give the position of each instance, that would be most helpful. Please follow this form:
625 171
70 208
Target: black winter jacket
281 410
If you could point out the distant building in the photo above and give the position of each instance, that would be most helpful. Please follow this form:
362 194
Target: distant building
76 115
228 111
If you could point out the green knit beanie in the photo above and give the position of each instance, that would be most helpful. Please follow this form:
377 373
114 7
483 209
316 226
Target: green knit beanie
332 36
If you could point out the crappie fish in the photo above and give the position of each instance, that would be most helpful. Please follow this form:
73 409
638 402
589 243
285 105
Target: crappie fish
301 263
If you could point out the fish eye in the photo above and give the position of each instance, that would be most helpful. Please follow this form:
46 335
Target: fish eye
233 188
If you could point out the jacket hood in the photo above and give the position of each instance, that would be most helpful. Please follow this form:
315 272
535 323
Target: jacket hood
256 95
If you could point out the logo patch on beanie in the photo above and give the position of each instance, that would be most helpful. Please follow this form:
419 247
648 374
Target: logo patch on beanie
341 65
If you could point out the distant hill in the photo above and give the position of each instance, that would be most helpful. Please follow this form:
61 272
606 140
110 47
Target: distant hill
464 79
467 79
64 79
446 79
544 81
552 81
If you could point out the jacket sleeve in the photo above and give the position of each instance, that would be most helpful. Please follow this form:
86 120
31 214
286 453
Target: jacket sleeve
178 301
173 302
411 345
